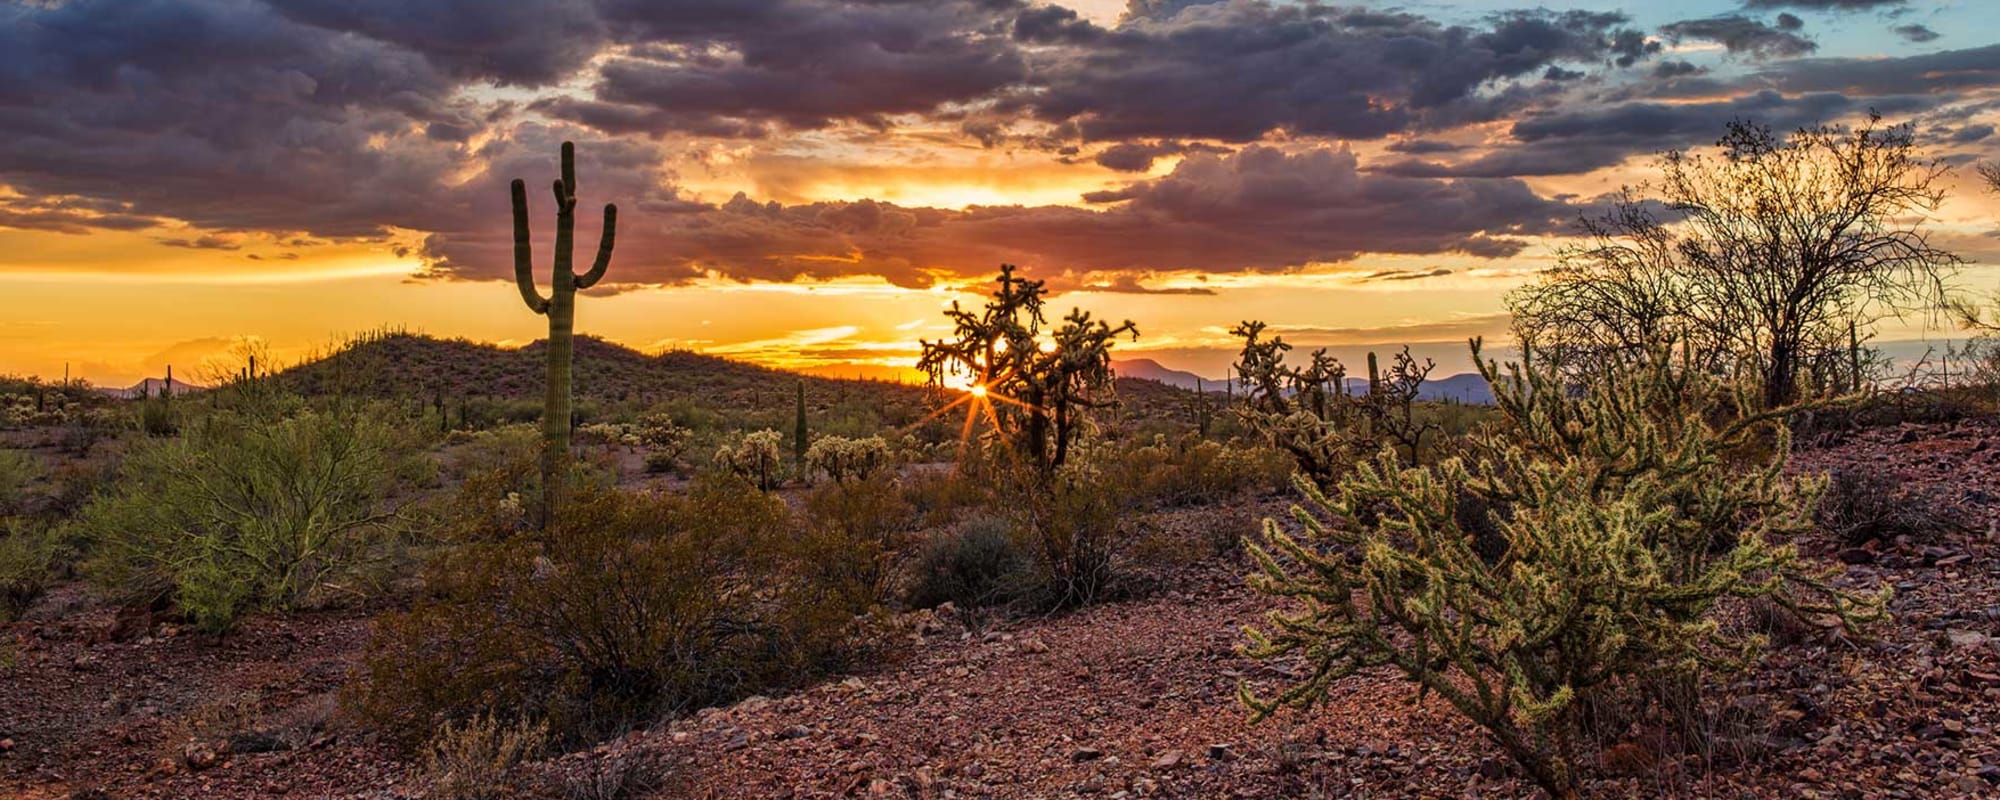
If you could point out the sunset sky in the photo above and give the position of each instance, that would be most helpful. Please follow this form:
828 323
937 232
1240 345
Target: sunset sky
806 183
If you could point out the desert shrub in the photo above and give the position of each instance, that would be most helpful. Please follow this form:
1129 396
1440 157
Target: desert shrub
755 457
1069 524
633 607
1628 513
939 495
844 459
1864 504
618 776
975 565
240 514
29 559
475 760
858 528
18 471
158 417
499 478
1192 471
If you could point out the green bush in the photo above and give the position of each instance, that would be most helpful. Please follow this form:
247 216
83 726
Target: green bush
237 514
29 559
1628 513
857 528
635 606
18 471
977 565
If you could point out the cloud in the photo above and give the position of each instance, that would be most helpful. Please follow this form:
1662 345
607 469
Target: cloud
1257 210
221 113
1139 156
1129 284
718 68
1916 33
1491 326
1824 5
1403 275
204 242
1237 71
1742 35
525 42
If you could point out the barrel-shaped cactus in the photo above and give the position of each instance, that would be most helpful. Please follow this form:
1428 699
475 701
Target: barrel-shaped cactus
560 308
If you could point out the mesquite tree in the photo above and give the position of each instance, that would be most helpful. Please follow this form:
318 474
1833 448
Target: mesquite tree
560 308
1764 255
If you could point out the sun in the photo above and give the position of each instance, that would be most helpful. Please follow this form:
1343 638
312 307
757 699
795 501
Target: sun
978 390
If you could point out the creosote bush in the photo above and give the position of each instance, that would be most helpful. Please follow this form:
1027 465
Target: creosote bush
633 607
977 564
475 760
1863 505
1627 512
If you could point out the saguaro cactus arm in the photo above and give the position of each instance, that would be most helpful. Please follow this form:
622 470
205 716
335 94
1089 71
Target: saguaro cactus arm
604 244
524 256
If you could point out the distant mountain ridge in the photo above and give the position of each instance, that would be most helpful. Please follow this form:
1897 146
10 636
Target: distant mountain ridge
151 387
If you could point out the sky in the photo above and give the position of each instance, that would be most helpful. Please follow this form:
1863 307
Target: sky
808 183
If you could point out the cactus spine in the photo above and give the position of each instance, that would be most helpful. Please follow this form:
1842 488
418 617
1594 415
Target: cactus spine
560 308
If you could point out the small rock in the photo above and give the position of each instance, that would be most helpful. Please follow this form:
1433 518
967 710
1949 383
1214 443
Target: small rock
198 756
1034 645
1169 760
1086 754
6 745
794 732
1492 769
1221 752
1857 555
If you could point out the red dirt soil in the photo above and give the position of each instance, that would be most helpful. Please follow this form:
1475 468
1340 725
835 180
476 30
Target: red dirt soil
1127 699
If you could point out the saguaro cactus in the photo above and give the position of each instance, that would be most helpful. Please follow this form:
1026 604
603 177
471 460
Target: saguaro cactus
560 308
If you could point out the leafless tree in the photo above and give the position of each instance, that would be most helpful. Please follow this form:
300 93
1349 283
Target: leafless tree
1768 255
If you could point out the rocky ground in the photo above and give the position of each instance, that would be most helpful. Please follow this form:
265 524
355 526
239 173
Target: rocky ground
1128 699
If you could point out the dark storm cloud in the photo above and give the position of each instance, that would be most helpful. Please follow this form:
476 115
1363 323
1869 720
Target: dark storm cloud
1744 36
1929 73
1139 156
530 42
322 121
1580 141
1236 71
1260 209
221 113
715 67
1783 95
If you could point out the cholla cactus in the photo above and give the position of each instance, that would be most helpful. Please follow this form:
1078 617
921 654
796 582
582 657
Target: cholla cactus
844 459
1308 412
1590 541
755 457
560 308
664 440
